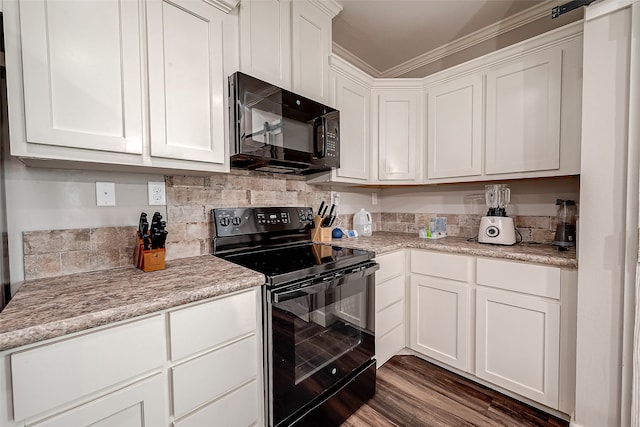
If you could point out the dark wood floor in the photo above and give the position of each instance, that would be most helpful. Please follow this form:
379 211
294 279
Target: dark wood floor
413 392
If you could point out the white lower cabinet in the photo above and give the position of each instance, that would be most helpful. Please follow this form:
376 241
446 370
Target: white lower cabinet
517 343
440 307
390 284
510 324
121 375
137 405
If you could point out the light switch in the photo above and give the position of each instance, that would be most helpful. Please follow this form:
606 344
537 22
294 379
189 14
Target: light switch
105 193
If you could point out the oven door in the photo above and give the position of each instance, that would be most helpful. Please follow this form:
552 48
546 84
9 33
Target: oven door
318 333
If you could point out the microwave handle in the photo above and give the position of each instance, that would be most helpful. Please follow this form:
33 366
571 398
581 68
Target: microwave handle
320 137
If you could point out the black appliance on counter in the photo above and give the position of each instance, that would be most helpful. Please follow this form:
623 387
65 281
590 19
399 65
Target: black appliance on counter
274 130
318 313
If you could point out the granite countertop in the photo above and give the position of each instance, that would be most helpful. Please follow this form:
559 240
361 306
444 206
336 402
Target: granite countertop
381 242
53 307
50 308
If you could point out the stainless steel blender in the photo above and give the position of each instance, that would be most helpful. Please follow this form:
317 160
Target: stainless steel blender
496 227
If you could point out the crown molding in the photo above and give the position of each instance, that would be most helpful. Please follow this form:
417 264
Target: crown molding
347 56
330 7
503 26
224 5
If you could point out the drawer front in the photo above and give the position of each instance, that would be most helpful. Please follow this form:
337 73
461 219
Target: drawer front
239 408
531 279
204 378
55 374
446 266
391 265
208 325
389 292
389 318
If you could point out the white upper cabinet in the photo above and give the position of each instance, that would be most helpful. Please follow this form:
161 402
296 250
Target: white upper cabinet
82 94
186 80
82 74
523 114
351 95
287 43
454 128
398 134
265 48
311 46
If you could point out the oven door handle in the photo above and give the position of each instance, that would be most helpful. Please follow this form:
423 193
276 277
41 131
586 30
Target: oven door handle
337 280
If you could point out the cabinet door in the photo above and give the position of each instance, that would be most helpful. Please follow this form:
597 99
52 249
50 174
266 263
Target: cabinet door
440 319
354 102
523 114
138 405
518 343
398 155
311 45
454 128
186 80
82 74
265 45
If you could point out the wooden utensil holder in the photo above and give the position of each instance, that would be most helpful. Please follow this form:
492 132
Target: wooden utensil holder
320 234
149 259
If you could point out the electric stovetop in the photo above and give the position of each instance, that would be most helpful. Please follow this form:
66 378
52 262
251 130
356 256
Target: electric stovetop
298 261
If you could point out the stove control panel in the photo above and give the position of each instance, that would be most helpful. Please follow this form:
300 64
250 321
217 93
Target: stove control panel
241 221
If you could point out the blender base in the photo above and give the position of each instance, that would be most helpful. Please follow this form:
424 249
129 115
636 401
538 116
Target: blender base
497 230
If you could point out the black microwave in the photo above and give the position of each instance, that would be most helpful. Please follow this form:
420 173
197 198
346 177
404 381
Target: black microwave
274 130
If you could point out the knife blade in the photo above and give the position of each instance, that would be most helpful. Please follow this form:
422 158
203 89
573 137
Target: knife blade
324 211
320 208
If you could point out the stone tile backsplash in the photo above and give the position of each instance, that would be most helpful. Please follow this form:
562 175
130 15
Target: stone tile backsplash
189 203
59 252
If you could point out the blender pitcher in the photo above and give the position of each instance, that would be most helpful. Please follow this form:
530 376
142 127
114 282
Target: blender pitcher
565 236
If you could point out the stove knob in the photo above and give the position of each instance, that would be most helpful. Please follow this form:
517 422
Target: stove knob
224 221
309 216
236 220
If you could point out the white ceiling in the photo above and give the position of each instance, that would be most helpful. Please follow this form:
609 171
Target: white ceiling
385 34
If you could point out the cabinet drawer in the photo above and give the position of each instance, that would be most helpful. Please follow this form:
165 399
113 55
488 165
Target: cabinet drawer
389 318
391 265
446 266
239 408
389 292
531 279
198 328
51 375
201 380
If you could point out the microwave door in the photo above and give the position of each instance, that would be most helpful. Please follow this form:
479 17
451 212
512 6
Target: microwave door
320 137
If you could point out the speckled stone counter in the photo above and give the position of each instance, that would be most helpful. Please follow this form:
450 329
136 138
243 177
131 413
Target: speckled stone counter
49 308
381 242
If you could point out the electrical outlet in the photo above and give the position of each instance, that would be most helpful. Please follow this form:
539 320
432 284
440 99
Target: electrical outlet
105 194
335 198
374 198
157 195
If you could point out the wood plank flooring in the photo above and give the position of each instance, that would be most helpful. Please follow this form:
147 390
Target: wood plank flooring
413 392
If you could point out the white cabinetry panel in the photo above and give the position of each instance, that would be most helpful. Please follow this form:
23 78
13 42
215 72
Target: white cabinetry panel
54 374
186 80
398 154
518 343
354 103
440 320
454 128
265 44
244 400
74 97
205 378
138 405
389 306
311 45
523 114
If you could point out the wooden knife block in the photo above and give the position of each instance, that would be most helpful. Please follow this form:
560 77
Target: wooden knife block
320 234
150 259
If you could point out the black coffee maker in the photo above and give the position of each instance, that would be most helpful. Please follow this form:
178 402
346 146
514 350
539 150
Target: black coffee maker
566 229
